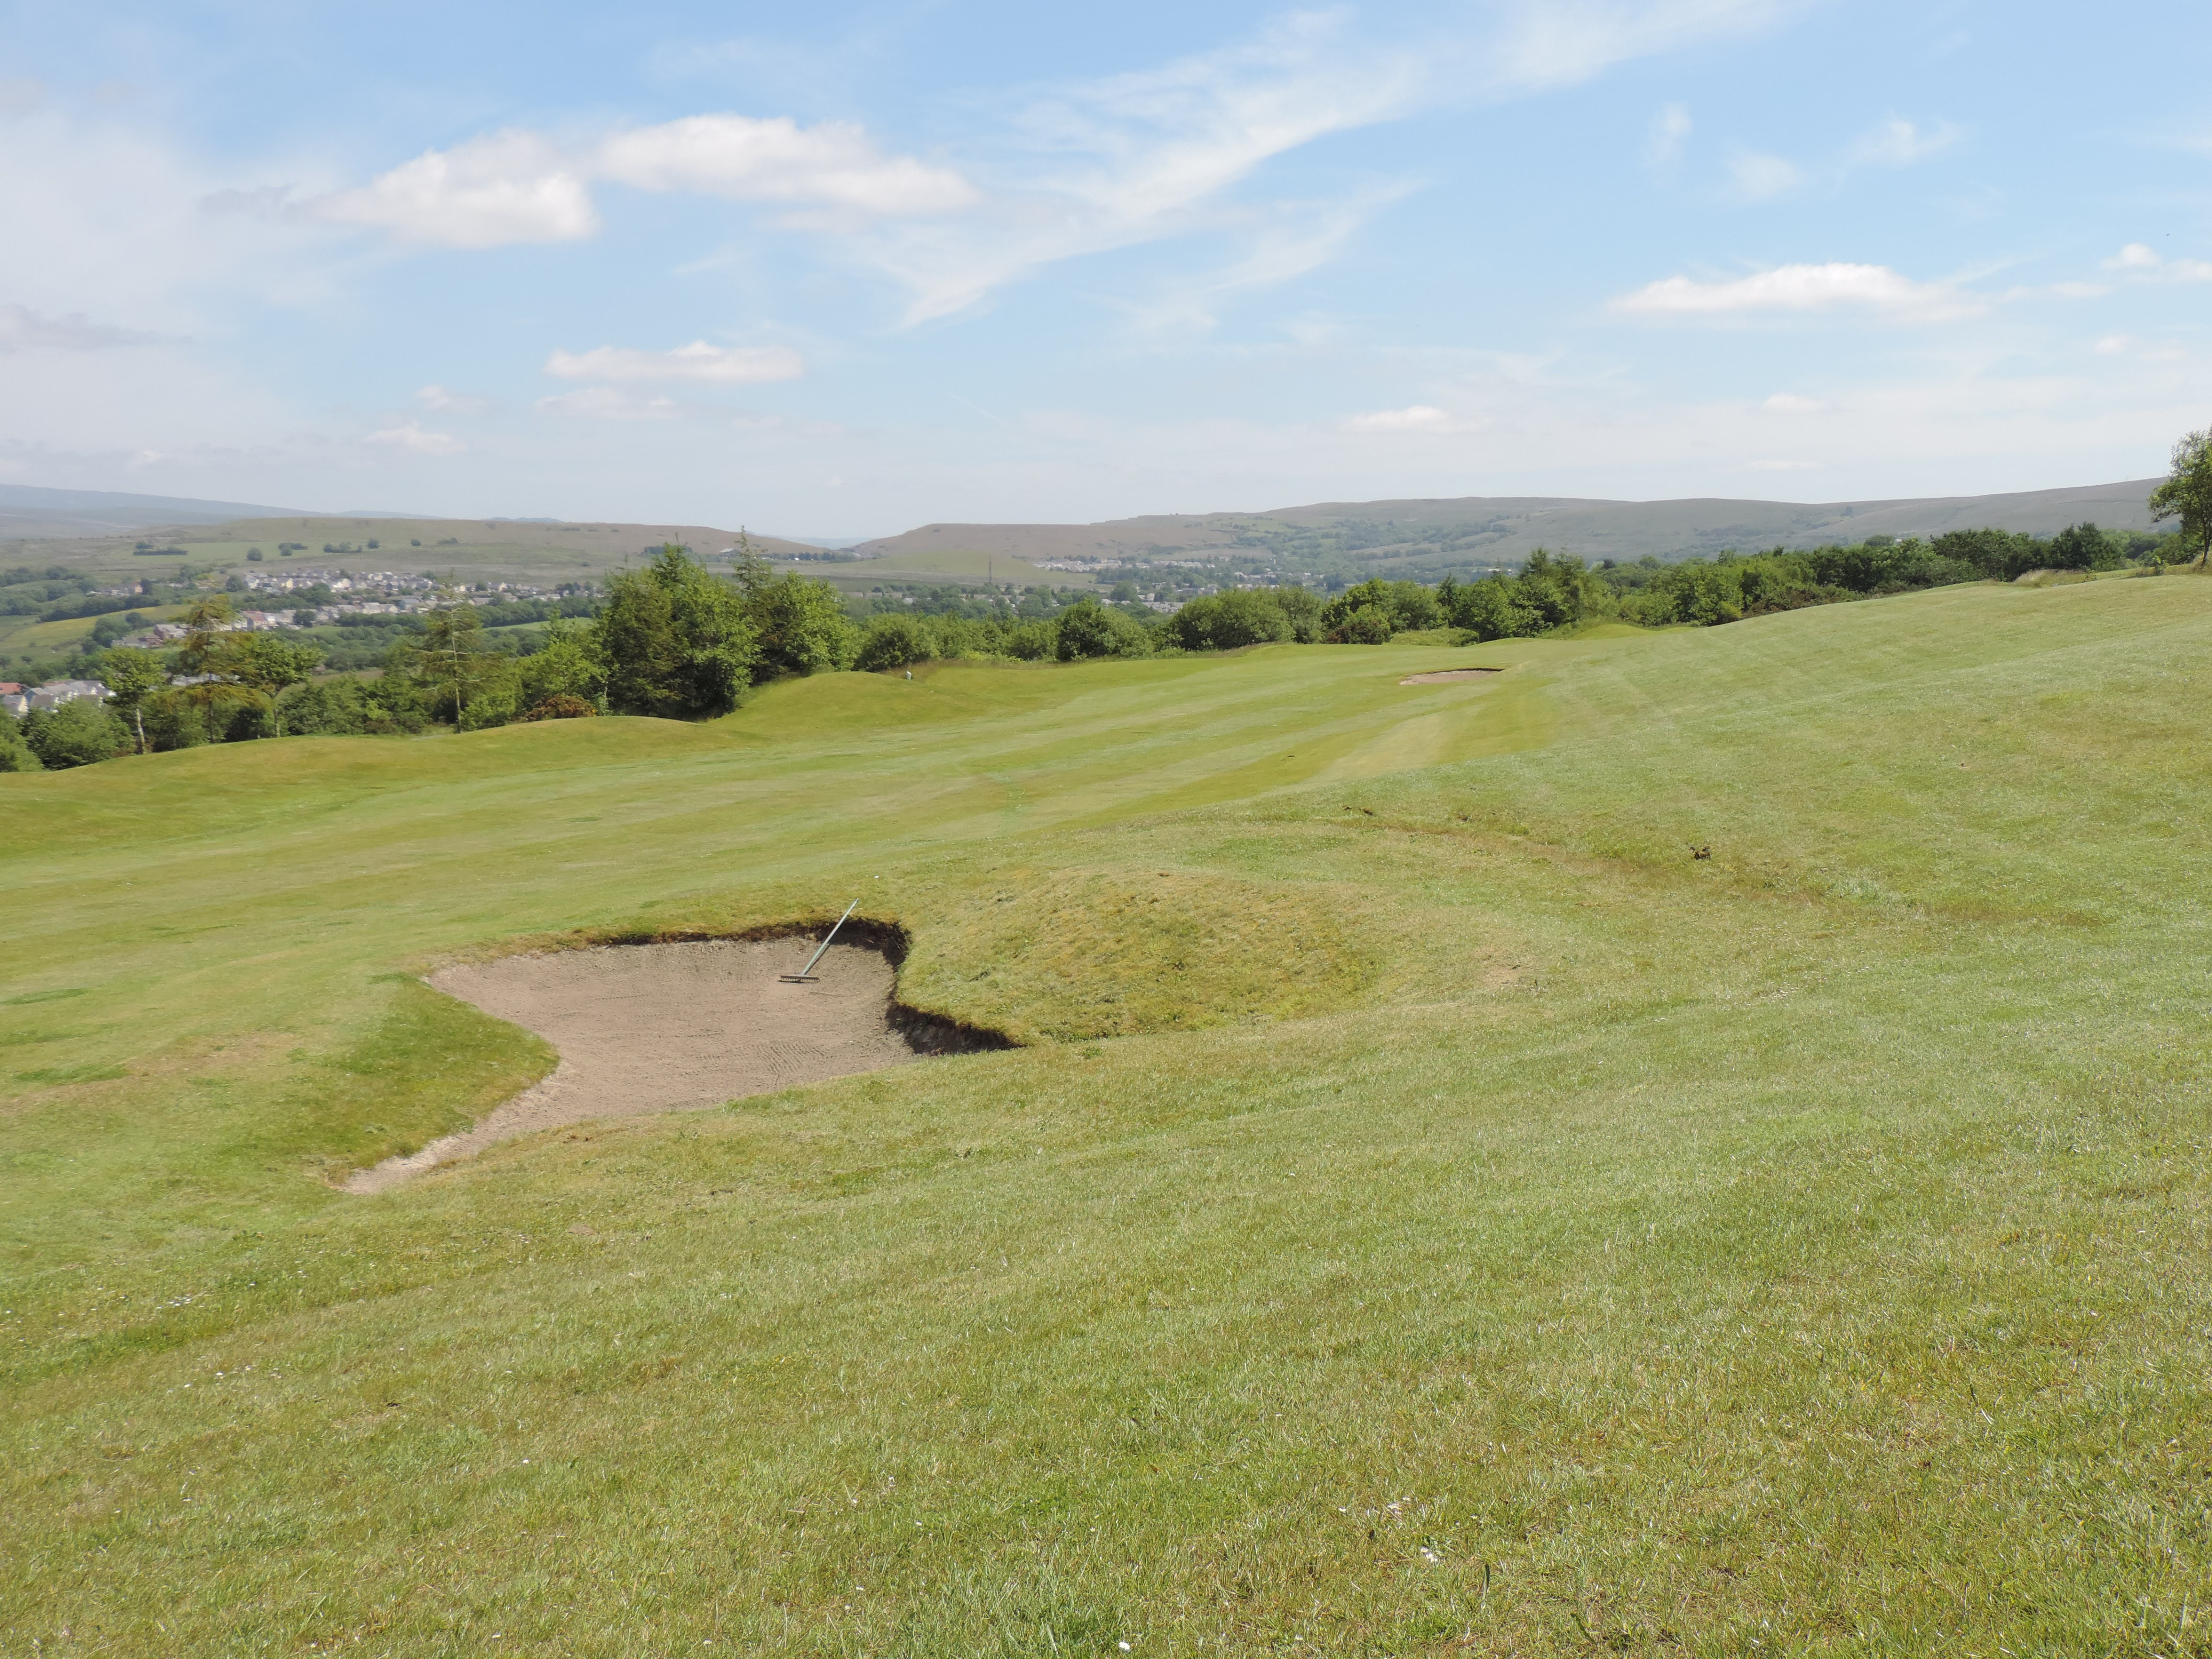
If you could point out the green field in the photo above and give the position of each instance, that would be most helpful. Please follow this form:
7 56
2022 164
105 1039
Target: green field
1432 1211
952 567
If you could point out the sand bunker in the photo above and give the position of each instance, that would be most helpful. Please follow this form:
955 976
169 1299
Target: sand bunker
653 1027
1443 674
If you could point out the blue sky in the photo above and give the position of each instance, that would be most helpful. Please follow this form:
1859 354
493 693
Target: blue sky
843 269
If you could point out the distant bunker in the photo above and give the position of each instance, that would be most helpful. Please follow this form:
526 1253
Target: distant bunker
1445 675
658 1027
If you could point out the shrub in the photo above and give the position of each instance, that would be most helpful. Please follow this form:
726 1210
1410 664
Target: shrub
1033 642
1370 624
322 708
676 640
559 707
15 755
79 733
893 641
1089 629
801 624
1225 622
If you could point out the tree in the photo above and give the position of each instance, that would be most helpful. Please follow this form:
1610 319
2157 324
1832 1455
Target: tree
78 733
802 625
566 666
132 675
675 640
1223 621
2187 494
204 658
1088 628
450 658
266 664
893 642
15 755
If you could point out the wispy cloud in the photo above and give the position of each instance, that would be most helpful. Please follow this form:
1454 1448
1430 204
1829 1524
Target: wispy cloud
25 329
521 186
489 192
1419 417
1762 177
742 159
1542 45
1135 158
1803 290
698 362
1668 133
411 438
2143 262
451 403
1895 142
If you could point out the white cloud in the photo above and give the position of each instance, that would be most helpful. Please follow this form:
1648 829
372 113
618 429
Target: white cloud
698 362
747 160
1788 403
1784 466
411 437
607 402
1138 157
1555 43
453 402
1669 133
2144 260
488 193
1803 290
1898 143
1762 177
25 329
1421 417
521 186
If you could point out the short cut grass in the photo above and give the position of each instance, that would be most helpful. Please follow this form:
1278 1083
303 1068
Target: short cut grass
1432 1211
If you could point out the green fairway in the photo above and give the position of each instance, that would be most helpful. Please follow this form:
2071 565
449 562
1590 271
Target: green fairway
1432 1210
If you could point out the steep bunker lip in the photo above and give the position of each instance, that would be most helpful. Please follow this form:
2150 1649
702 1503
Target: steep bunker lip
1445 675
666 1026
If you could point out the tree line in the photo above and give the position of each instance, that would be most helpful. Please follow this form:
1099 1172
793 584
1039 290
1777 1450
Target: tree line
675 640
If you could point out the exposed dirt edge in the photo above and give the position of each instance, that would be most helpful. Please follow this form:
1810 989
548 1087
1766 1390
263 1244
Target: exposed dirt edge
1445 675
926 1032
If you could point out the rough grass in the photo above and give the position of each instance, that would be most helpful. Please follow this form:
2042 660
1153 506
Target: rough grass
1498 1230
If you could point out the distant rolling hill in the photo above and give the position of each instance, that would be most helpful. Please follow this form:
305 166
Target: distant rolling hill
28 511
1428 537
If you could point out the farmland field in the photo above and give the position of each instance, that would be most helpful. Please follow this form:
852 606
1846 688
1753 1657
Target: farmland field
1694 1143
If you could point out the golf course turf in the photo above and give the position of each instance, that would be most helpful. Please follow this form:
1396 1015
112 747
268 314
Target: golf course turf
1428 1210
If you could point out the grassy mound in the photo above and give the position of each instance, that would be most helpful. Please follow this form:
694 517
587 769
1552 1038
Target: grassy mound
1434 1209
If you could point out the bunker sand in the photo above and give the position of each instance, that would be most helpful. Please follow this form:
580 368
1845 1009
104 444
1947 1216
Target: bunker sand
1442 677
657 1028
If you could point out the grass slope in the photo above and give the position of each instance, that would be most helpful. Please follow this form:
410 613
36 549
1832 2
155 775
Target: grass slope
1434 1212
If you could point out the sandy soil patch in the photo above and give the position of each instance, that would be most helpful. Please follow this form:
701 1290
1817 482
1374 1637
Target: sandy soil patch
1443 675
655 1028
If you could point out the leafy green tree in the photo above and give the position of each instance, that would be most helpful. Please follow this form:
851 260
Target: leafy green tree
893 642
449 660
1492 610
267 664
1034 641
1302 609
1227 621
132 675
217 698
2084 547
15 755
2187 494
675 640
566 665
1088 629
1370 624
79 733
802 625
